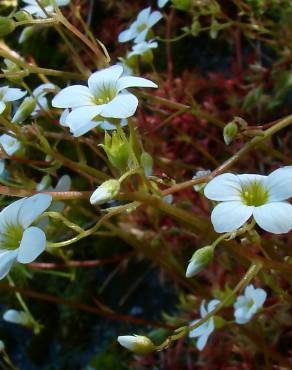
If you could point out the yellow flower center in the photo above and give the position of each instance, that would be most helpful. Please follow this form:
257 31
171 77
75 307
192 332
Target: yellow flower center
254 194
11 238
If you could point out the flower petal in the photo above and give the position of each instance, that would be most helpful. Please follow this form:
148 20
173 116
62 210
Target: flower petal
32 208
16 317
201 342
2 106
9 215
143 16
247 179
229 216
122 106
78 131
212 304
63 184
154 18
104 79
32 244
130 81
80 117
200 330
126 35
73 96
223 187
6 260
279 184
13 94
275 217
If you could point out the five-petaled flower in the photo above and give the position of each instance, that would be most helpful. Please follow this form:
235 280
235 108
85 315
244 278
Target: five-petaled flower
34 8
105 97
203 331
243 196
248 304
19 241
139 29
8 94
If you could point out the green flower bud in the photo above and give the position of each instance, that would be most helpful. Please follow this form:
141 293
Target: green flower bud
21 15
105 192
181 4
147 163
229 132
117 149
7 25
136 343
24 110
199 260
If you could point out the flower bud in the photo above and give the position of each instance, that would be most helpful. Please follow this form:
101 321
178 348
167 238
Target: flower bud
147 163
22 15
117 149
7 25
229 132
136 343
17 317
199 260
105 192
24 110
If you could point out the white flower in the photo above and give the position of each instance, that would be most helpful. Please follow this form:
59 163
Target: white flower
142 48
104 97
8 94
19 241
105 192
136 343
33 7
139 29
243 196
248 304
203 331
17 317
10 144
162 3
199 174
34 104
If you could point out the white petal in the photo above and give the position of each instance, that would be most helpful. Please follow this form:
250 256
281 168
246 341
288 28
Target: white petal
259 297
212 304
78 131
122 106
80 117
43 89
143 16
104 78
141 36
72 97
275 217
229 216
201 342
154 18
126 35
6 261
129 81
203 311
2 106
63 184
223 187
13 94
9 215
32 208
63 2
32 244
279 184
200 330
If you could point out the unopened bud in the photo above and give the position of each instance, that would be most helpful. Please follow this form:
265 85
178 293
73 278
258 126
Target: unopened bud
17 317
7 25
229 132
136 343
24 110
22 15
147 163
199 260
105 192
117 149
